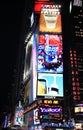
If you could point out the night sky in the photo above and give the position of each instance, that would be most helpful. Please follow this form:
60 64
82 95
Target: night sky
11 18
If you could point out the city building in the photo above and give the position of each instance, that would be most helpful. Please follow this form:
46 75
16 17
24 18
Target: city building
50 72
43 66
76 56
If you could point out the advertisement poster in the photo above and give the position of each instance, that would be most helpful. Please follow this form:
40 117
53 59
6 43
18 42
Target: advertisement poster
50 112
36 116
50 53
19 117
50 19
78 109
50 84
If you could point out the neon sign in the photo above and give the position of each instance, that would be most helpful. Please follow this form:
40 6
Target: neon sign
53 110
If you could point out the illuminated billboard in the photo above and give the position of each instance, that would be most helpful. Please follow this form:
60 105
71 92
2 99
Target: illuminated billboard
78 126
50 84
50 18
27 60
37 7
39 4
78 109
50 112
78 113
19 117
36 116
50 53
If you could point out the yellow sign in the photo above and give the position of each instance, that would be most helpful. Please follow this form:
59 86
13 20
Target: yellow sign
49 101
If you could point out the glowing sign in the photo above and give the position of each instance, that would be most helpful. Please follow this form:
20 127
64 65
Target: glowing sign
50 112
78 109
47 110
74 73
50 53
49 101
39 4
50 18
19 117
50 84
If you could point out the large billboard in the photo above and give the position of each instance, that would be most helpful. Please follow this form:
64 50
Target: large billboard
50 113
50 84
50 19
50 53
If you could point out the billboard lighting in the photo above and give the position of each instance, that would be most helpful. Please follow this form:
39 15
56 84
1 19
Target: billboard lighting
56 110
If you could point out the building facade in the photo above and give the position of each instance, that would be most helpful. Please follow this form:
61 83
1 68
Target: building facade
51 78
76 56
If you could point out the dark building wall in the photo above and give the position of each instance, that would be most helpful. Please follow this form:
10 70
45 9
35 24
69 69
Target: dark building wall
76 43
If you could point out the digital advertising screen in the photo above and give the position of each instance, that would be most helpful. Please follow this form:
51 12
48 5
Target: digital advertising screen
38 5
78 126
79 109
49 84
27 60
50 112
78 114
50 53
50 18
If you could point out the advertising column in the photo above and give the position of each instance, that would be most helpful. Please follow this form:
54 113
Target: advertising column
50 51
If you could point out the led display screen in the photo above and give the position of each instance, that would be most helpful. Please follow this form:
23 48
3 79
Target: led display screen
38 5
50 110
50 18
50 53
50 84
78 109
53 113
78 126
78 113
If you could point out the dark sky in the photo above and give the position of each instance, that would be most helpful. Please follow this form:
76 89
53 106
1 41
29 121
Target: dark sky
11 18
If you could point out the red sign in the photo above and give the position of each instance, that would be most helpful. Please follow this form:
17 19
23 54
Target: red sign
39 4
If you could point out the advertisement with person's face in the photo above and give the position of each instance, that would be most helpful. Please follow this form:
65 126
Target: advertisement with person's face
50 53
78 109
36 116
50 19
50 84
